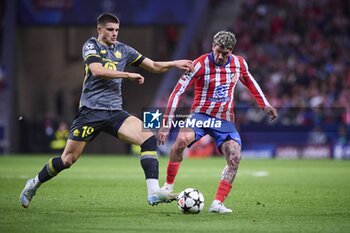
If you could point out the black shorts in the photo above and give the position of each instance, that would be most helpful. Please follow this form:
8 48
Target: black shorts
88 123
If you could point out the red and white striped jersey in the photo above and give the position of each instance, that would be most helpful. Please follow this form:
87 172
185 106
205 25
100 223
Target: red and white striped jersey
214 87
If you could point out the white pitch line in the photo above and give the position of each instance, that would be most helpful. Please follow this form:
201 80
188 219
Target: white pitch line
261 174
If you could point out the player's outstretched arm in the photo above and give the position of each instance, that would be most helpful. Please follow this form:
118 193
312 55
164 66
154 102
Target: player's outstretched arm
163 66
99 71
272 112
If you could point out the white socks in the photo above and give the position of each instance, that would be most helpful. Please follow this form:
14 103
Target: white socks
36 181
215 202
152 186
168 187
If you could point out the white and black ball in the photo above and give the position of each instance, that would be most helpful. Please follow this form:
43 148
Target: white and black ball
190 201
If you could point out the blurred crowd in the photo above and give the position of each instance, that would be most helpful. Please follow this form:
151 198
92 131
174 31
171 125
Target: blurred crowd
299 53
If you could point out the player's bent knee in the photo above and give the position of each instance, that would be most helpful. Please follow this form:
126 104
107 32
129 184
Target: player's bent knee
232 152
176 155
150 144
68 160
234 161
181 143
67 163
234 158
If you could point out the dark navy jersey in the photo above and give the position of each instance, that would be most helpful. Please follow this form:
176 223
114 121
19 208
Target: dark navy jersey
105 93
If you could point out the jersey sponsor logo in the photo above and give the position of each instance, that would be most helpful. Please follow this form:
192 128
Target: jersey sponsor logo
221 100
110 65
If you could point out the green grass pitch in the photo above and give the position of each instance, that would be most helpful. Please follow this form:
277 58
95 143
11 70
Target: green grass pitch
108 194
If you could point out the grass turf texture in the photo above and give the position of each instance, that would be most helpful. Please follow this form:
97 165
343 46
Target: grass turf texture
108 194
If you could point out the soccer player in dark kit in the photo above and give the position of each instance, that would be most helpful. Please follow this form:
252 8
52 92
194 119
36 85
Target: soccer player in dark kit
101 108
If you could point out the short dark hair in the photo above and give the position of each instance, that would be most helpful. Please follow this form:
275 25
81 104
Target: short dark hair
107 18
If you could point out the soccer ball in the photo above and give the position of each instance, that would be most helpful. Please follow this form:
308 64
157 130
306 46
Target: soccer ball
190 201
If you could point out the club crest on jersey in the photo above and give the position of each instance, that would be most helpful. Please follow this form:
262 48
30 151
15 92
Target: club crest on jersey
117 54
220 94
220 91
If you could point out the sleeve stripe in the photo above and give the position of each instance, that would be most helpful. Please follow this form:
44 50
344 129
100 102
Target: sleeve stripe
92 55
136 62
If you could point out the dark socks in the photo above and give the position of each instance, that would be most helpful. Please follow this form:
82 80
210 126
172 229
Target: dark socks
51 169
150 167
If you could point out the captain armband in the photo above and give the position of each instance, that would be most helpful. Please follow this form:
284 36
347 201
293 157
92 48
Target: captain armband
93 58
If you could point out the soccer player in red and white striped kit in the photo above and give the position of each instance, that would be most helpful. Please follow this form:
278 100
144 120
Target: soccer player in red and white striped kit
214 78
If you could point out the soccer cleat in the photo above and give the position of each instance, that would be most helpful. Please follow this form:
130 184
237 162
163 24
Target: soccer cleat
28 193
218 207
160 197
